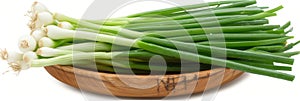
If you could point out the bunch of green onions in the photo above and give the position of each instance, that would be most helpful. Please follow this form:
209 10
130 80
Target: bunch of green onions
232 34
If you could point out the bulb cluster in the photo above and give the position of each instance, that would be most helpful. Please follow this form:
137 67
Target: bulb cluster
28 45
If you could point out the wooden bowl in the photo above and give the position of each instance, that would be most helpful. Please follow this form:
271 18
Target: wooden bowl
148 86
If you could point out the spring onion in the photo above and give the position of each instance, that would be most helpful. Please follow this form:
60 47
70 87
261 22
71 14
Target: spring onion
232 34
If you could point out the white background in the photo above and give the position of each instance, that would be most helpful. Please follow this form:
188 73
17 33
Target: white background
36 84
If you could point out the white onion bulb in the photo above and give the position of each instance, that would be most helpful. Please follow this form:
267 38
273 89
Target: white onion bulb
38 7
38 34
46 42
65 25
46 52
43 19
29 56
55 32
27 43
19 65
11 56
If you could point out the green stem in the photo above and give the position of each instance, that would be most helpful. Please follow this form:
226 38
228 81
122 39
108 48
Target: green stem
288 31
286 25
274 48
218 51
219 12
233 5
176 26
244 37
275 9
254 22
241 44
225 29
215 61
239 4
288 54
167 21
265 65
290 46
180 8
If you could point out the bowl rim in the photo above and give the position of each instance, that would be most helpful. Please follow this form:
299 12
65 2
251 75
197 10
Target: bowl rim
68 75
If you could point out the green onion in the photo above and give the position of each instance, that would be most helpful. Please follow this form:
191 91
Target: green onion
223 34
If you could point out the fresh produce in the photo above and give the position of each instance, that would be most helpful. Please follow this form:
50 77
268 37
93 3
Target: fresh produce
227 34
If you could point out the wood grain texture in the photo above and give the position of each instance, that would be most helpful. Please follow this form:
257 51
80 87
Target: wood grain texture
142 85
